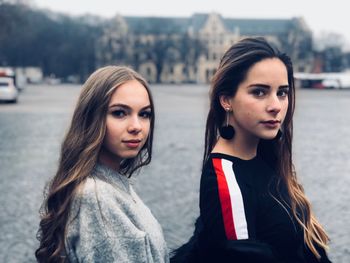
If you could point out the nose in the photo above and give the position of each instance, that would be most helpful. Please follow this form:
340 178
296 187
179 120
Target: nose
134 125
274 104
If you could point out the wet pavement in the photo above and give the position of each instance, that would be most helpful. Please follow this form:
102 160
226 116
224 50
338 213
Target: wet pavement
31 132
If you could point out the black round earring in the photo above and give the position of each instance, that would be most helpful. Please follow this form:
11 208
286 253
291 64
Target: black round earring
227 131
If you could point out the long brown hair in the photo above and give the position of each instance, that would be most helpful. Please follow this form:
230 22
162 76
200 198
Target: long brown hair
79 154
232 70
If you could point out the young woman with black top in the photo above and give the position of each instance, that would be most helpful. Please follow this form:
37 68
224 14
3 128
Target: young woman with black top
252 207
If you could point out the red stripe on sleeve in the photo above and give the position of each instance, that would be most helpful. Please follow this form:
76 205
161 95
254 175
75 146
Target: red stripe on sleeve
225 200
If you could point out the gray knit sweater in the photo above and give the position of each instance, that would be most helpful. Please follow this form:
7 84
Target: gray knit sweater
109 223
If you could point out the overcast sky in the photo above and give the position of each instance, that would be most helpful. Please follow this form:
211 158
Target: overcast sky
321 16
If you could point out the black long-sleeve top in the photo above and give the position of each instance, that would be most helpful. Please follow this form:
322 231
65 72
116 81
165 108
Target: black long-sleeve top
245 217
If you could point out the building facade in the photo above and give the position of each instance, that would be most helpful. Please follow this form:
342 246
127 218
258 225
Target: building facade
188 50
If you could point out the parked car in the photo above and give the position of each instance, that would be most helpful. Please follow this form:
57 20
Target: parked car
19 79
8 90
331 83
328 80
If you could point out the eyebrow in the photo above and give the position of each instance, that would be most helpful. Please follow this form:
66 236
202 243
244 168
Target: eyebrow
267 86
125 106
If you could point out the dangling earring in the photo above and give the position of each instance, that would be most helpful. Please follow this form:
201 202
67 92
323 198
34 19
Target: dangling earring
279 135
227 131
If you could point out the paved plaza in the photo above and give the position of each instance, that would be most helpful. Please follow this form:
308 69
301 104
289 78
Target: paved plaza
32 130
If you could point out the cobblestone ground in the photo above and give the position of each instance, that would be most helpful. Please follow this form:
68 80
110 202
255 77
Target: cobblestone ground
31 132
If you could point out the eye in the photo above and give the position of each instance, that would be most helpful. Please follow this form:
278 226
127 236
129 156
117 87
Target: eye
283 92
145 114
118 113
258 92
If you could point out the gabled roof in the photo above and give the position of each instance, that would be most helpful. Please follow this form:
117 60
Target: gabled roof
197 21
171 25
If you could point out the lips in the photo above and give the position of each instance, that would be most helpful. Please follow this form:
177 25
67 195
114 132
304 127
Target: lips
271 123
132 143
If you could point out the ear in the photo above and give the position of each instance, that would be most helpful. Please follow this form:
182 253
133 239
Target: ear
225 102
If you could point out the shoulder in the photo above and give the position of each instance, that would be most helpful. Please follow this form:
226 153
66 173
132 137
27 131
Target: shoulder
218 165
225 172
85 201
217 174
93 195
107 196
101 206
87 191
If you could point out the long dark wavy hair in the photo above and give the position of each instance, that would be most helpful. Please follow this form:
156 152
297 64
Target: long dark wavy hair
232 70
79 154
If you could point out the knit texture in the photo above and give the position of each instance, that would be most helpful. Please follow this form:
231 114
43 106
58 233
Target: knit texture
110 223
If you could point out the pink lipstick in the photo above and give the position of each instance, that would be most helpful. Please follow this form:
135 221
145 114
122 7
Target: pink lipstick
132 143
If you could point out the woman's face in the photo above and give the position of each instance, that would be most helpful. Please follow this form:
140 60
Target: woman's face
127 123
261 101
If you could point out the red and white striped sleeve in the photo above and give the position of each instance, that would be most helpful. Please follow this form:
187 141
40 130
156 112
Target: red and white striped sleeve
222 203
231 200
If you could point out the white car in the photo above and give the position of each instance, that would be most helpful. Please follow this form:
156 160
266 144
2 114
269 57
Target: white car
331 83
8 90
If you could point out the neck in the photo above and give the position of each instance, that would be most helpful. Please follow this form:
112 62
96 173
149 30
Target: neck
109 160
241 147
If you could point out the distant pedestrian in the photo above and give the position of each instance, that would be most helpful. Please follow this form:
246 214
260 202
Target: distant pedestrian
252 207
91 213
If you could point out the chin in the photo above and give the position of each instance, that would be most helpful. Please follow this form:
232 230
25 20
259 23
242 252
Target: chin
129 155
270 136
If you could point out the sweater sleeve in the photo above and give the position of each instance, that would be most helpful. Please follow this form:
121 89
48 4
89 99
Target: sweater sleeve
222 204
103 236
227 214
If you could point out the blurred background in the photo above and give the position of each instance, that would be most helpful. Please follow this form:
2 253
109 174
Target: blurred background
48 48
178 42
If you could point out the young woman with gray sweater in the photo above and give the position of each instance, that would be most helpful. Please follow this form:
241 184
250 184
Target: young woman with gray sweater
91 212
